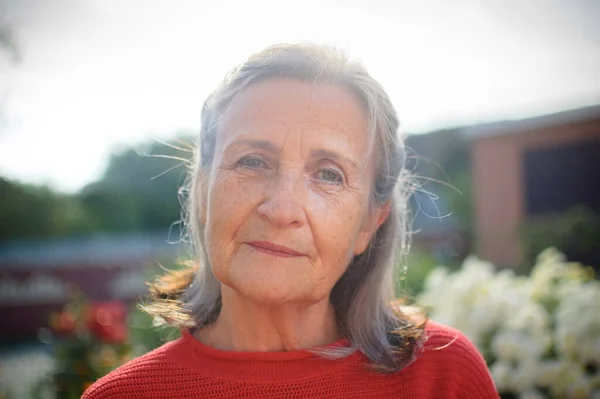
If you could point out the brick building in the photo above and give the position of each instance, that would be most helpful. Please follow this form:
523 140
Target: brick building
530 167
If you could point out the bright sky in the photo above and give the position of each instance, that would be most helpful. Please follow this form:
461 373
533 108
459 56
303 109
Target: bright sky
98 74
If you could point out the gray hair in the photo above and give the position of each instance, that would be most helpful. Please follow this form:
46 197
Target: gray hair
362 297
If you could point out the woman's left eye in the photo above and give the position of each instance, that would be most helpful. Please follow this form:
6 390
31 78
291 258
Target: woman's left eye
252 162
330 176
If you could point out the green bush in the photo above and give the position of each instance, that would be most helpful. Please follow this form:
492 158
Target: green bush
146 334
575 232
409 279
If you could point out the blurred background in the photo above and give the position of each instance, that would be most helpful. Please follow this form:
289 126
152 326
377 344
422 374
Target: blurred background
100 103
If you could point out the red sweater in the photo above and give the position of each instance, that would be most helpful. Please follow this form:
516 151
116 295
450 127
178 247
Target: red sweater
449 367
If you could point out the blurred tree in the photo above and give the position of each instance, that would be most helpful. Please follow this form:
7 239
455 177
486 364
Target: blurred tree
441 161
9 56
109 208
8 45
576 233
442 204
139 189
438 154
28 211
24 209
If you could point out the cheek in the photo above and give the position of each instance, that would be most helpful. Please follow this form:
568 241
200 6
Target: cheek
336 223
337 216
230 202
230 199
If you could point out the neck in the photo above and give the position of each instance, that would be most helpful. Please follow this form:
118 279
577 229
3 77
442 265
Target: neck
247 326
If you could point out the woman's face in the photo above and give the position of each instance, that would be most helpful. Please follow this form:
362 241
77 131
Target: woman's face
287 200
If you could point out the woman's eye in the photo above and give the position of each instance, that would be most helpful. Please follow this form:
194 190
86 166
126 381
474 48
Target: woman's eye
330 176
252 162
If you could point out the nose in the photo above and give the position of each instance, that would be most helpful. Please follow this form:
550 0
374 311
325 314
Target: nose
282 205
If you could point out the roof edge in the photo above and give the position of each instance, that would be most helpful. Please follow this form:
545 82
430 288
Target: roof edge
529 124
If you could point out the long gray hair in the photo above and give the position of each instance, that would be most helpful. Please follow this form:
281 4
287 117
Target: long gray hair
362 297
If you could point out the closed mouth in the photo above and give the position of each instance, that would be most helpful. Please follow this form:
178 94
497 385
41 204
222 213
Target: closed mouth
274 249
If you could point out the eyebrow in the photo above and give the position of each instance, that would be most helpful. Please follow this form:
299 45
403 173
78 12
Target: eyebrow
323 153
264 144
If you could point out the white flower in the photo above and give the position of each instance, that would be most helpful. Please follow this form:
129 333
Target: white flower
502 373
532 394
19 373
525 373
516 346
529 316
566 341
578 321
579 388
549 371
505 345
589 350
436 279
572 383
522 320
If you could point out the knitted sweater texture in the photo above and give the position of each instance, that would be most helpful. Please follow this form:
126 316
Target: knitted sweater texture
448 367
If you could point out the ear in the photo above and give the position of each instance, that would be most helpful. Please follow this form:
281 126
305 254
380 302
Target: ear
374 220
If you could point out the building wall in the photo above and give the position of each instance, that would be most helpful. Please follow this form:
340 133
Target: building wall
499 190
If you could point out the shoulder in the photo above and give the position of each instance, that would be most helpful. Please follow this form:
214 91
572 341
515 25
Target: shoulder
449 341
138 378
449 356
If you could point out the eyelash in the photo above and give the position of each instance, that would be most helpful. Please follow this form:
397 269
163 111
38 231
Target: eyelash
242 162
339 176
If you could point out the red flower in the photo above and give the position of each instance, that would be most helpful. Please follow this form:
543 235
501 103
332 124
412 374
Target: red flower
107 321
64 322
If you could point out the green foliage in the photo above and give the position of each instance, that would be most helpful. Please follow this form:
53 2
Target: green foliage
90 339
409 281
438 154
139 189
138 192
29 211
146 334
575 233
461 201
441 163
109 208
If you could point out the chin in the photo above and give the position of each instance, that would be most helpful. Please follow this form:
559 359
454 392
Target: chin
278 293
267 292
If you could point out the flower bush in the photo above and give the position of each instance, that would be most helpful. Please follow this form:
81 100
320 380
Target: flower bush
540 334
90 339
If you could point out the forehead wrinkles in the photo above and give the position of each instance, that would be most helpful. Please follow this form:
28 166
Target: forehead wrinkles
285 98
280 104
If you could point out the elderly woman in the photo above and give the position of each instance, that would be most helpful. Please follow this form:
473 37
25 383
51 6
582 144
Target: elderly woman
297 210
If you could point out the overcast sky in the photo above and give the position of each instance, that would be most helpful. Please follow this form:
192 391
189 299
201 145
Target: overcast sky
95 75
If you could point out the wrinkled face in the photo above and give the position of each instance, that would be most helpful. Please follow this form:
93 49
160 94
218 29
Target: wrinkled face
287 202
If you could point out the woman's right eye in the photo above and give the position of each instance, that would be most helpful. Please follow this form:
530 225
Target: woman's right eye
252 162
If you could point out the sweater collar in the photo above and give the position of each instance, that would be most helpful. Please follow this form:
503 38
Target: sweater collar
263 367
199 347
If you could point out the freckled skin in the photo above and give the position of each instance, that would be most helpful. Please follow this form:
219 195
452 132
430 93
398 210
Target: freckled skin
288 193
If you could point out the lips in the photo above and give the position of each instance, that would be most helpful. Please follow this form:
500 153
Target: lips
274 249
